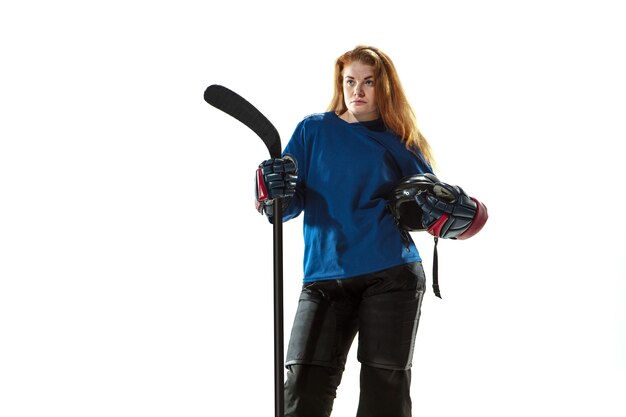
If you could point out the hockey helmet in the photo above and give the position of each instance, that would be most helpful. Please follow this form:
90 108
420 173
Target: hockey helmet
402 205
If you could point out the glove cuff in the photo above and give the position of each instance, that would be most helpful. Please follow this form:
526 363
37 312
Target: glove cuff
479 220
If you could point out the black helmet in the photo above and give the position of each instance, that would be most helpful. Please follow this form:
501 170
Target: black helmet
402 203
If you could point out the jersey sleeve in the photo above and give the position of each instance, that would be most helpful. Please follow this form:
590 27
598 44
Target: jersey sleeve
414 164
296 149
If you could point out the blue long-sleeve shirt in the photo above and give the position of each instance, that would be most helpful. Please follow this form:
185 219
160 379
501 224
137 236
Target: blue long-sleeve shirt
346 172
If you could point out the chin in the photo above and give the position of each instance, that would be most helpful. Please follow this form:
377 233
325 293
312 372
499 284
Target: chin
360 112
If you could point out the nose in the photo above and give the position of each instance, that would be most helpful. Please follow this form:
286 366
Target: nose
358 90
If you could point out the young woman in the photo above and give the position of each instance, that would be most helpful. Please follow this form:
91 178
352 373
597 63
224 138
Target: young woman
361 275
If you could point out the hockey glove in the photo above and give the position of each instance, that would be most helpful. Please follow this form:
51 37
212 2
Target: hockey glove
449 213
275 179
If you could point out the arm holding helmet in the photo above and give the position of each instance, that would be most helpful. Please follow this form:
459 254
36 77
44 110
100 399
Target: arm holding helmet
422 202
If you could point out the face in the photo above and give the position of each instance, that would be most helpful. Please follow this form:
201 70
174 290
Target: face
359 93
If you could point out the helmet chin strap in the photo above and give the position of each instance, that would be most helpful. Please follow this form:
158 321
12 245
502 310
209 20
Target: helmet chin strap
436 270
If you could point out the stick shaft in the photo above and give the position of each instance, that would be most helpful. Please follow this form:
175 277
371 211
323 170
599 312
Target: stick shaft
279 375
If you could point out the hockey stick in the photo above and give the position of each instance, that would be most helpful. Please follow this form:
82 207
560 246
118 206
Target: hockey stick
236 106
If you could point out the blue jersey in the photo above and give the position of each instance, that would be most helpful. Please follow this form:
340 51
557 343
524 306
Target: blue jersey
346 172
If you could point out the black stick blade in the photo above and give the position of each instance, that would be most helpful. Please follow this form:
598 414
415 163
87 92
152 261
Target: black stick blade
236 106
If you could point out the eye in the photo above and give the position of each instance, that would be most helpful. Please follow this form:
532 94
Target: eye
369 82
349 82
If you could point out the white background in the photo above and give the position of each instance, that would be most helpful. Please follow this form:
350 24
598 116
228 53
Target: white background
135 274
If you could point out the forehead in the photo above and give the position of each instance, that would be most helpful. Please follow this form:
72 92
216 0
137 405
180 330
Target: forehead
357 69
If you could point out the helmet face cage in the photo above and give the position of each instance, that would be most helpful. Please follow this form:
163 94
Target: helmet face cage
410 216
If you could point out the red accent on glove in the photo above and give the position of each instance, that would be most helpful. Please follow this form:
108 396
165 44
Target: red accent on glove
435 229
479 220
261 190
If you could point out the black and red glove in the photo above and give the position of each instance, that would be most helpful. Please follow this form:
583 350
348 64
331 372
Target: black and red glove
449 213
275 179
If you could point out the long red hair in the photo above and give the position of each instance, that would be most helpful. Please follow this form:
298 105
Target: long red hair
392 103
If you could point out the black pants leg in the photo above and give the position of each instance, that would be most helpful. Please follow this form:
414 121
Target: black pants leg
310 390
384 392
325 325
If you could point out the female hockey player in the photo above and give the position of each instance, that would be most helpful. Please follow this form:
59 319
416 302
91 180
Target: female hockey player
362 274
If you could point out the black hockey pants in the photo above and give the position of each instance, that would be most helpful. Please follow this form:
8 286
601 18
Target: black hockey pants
384 308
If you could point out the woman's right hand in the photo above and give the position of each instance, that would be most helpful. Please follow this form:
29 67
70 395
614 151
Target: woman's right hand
275 178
